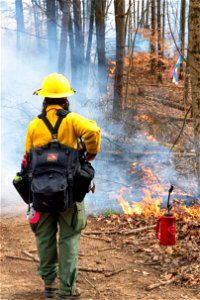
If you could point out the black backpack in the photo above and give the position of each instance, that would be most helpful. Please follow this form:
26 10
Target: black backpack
51 170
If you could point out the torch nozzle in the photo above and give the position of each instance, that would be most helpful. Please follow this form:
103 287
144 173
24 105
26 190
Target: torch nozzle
169 206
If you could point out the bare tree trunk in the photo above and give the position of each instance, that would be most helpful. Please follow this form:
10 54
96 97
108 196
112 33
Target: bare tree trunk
120 49
194 61
182 34
89 44
130 26
147 15
79 53
138 14
100 37
134 14
63 40
153 37
20 23
142 14
159 41
52 33
72 52
158 28
84 23
163 28
187 85
37 25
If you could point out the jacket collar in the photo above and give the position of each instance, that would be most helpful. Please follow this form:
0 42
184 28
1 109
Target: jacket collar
54 106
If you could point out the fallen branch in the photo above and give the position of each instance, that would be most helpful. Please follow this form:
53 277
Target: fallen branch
97 238
167 103
34 258
117 232
182 128
114 272
90 283
101 232
155 285
137 230
18 257
92 270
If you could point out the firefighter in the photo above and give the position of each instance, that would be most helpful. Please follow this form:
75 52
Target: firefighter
62 264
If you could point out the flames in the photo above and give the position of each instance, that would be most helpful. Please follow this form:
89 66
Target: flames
152 197
148 206
153 194
111 69
139 58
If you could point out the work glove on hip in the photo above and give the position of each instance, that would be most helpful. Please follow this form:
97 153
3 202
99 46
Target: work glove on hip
89 156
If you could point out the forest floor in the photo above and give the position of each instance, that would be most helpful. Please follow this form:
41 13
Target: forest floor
113 262
115 265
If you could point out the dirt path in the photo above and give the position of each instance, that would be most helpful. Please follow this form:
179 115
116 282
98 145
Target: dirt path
20 282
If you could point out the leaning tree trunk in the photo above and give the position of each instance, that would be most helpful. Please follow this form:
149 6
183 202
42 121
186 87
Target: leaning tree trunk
52 33
194 61
100 37
20 23
182 34
65 7
120 49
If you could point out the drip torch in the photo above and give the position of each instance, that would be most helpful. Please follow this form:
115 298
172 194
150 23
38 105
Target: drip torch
166 225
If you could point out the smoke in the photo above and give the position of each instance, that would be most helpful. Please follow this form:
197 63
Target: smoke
22 74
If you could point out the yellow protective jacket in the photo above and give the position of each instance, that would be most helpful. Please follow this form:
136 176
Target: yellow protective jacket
72 127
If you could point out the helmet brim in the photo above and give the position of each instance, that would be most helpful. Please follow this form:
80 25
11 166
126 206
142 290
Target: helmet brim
54 95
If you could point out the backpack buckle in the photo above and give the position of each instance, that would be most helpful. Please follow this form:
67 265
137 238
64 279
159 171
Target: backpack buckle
70 179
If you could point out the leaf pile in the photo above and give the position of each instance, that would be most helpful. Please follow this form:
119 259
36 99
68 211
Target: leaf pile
181 262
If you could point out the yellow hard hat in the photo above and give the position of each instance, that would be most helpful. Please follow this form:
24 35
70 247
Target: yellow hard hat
55 86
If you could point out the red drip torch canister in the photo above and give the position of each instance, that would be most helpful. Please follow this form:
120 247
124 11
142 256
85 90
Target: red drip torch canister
166 226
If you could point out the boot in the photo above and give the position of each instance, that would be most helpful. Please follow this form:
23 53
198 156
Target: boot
74 295
50 290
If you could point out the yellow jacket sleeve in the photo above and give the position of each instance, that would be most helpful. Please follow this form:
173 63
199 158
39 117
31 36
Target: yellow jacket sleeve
89 131
28 143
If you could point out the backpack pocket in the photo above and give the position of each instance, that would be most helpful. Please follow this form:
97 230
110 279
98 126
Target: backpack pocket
82 182
49 191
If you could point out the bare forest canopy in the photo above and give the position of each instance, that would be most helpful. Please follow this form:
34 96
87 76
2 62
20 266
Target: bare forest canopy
120 57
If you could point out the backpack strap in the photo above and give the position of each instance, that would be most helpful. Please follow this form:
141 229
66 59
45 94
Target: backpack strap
54 130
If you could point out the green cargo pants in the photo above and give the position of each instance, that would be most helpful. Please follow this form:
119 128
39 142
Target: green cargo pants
60 258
